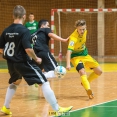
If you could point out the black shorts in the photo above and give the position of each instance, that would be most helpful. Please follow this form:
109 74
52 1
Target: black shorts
48 61
28 70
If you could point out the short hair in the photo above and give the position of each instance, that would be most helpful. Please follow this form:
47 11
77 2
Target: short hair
31 14
81 22
42 22
19 11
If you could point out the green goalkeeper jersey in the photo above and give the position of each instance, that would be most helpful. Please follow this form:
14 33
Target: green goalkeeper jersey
32 26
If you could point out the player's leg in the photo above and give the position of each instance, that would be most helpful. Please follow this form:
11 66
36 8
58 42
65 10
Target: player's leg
95 74
84 81
14 81
49 95
81 70
93 64
51 99
79 65
49 64
35 75
50 74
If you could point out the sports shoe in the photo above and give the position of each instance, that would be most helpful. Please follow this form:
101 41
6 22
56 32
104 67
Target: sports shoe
6 110
89 93
36 85
62 111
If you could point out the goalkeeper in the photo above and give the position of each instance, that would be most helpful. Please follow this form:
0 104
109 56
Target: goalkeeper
77 54
40 41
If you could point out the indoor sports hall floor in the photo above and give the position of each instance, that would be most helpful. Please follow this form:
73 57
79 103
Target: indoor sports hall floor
29 100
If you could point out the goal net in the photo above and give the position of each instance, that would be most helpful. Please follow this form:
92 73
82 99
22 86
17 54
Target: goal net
101 27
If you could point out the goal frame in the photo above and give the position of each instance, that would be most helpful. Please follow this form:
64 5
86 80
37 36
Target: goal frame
74 10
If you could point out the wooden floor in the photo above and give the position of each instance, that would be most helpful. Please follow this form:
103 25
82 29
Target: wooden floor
29 101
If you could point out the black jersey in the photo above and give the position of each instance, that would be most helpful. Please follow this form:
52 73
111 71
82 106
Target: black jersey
14 40
41 39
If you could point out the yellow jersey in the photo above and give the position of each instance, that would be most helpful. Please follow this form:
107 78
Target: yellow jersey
77 44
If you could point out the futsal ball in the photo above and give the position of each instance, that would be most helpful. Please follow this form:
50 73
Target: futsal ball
60 71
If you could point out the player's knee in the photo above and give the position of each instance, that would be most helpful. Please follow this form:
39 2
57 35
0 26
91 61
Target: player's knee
79 67
99 72
40 84
17 82
12 86
45 83
50 74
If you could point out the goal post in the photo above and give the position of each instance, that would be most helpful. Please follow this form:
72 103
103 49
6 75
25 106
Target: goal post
99 21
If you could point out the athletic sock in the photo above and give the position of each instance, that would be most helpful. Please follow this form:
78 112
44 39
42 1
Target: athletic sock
92 76
9 94
49 74
49 96
85 82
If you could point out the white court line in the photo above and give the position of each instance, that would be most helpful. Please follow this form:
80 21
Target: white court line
94 105
107 106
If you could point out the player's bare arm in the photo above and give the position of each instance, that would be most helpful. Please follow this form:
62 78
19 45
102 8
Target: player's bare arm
31 53
56 37
68 56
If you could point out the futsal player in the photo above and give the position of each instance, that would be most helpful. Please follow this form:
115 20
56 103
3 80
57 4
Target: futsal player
32 24
15 44
77 54
40 41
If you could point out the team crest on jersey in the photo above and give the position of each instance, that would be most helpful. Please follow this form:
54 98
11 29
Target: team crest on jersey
71 43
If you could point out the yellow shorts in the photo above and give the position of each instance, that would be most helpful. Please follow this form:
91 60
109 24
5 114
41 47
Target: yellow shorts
87 61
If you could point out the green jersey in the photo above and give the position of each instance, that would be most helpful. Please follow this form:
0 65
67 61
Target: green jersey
32 26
